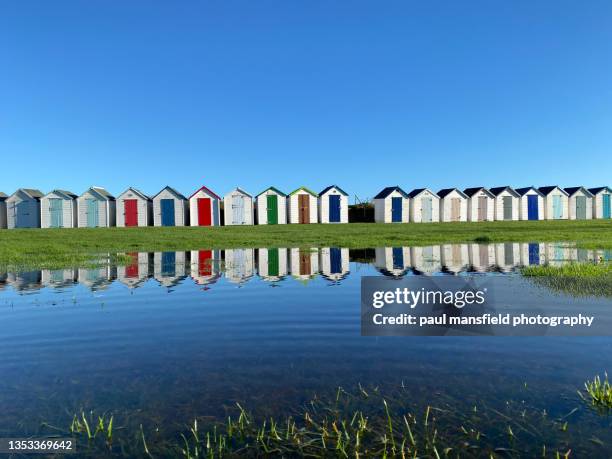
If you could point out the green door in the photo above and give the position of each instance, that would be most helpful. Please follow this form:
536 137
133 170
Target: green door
272 207
56 210
92 213
273 268
507 203
581 204
606 211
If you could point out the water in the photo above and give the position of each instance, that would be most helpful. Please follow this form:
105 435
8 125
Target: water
173 336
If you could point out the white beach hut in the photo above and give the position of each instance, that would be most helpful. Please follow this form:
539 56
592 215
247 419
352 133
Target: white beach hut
424 206
3 210
334 263
239 265
555 203
580 203
57 278
506 204
302 206
602 202
453 205
333 205
169 268
170 208
304 263
272 264
482 257
204 208
392 261
481 204
137 271
426 260
205 269
391 205
507 256
238 208
134 208
454 258
58 209
271 207
96 208
531 203
23 209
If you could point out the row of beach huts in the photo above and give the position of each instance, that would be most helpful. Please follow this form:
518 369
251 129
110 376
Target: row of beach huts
96 207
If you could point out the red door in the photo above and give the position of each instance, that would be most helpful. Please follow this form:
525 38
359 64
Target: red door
205 262
204 213
130 207
131 270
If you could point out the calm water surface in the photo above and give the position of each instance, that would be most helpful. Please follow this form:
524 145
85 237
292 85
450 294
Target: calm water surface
177 335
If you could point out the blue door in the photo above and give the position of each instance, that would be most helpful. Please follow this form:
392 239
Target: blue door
557 207
168 262
92 213
56 211
396 210
335 260
398 257
534 254
532 207
606 206
167 212
334 208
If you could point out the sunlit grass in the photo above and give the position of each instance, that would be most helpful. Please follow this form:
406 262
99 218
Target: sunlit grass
599 393
576 279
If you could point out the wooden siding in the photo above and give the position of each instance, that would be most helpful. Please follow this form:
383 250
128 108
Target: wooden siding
304 263
524 205
392 260
572 205
416 207
473 204
445 207
293 207
499 206
272 264
248 217
383 208
2 214
548 205
22 211
262 207
215 210
324 206
143 206
69 211
337 269
181 208
106 210
597 204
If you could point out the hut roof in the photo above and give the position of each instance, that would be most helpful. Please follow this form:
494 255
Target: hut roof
575 189
523 191
546 190
303 188
102 192
32 192
593 191
171 190
207 190
388 190
140 194
497 190
472 191
325 190
276 190
417 191
446 191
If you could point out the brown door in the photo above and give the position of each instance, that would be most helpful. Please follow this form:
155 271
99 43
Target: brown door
305 263
455 209
304 208
482 208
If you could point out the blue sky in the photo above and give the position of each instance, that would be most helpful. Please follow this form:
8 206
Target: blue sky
364 94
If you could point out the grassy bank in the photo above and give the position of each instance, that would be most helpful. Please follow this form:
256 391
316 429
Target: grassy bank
52 248
576 279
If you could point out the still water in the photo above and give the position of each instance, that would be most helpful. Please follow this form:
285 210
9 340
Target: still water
178 335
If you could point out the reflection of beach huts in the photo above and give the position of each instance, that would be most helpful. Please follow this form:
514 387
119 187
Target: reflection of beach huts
555 254
392 205
58 209
25 281
271 207
96 208
238 208
239 265
532 253
579 203
23 209
426 260
204 208
454 257
304 263
531 203
170 208
95 278
424 206
205 266
481 256
602 202
302 206
334 263
136 272
555 202
507 256
56 278
480 205
3 210
453 205
272 263
169 268
507 203
134 208
392 261
333 205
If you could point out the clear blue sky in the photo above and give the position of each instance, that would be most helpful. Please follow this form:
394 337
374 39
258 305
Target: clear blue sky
364 94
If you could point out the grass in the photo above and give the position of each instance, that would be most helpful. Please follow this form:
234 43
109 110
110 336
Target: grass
58 248
576 279
599 393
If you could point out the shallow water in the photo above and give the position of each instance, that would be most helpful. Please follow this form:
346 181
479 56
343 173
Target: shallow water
177 335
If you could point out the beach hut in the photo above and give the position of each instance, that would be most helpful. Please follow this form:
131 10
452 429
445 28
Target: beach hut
555 202
506 204
580 203
272 264
204 208
239 265
530 253
507 256
3 210
602 202
304 263
134 208
481 257
57 278
169 268
170 208
481 204
238 208
23 209
391 205
333 205
334 263
137 271
453 205
96 208
424 206
426 260
302 206
392 261
271 207
531 203
58 209
98 278
205 269
454 258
